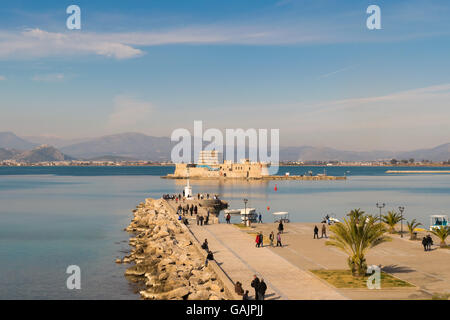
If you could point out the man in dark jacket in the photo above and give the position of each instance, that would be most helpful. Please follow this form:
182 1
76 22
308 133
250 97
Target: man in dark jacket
255 285
429 242
210 256
316 232
205 245
425 243
262 289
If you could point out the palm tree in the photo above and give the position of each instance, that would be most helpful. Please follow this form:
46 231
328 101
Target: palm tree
391 219
411 227
355 236
356 214
442 233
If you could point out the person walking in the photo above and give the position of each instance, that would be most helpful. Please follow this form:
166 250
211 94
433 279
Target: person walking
245 296
262 289
429 242
255 285
271 238
228 218
424 243
198 220
257 240
316 232
195 209
280 227
260 218
324 231
261 240
201 220
279 239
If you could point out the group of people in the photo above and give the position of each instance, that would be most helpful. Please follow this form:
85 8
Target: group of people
201 196
201 220
258 285
427 242
324 231
192 209
260 239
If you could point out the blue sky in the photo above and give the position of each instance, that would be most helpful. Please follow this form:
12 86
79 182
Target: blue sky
310 68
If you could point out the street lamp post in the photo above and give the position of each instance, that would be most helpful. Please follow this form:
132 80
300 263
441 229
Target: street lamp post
380 206
401 209
245 211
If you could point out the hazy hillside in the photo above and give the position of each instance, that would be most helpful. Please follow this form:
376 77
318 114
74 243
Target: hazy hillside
112 158
137 146
9 140
308 153
7 154
53 141
439 153
42 153
133 145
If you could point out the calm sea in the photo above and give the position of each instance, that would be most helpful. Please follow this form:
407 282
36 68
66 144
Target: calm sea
53 217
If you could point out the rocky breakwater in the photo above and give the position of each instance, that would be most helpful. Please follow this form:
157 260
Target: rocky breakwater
165 258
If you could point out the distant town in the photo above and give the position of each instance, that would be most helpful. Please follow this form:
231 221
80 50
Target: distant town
87 163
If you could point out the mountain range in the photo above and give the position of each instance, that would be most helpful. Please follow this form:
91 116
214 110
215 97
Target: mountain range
140 146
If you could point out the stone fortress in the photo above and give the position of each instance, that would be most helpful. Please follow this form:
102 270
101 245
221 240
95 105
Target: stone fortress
209 166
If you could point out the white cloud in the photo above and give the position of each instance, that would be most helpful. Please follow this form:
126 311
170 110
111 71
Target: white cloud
130 114
53 77
39 43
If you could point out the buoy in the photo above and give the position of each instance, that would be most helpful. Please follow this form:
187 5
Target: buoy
268 208
275 188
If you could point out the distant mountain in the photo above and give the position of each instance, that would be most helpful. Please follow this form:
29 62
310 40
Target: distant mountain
133 145
7 154
9 140
41 154
308 153
439 153
53 141
112 158
137 146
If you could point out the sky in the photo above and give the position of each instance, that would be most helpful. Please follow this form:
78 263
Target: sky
310 68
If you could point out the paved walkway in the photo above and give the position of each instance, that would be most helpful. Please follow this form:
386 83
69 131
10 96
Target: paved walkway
402 258
240 259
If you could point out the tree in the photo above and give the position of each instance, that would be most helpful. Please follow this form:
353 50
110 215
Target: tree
411 227
442 233
391 219
355 236
356 214
394 161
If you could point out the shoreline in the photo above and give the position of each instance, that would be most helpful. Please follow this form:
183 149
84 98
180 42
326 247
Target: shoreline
266 178
168 259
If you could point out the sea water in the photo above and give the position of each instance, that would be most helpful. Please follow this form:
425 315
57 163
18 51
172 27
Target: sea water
53 217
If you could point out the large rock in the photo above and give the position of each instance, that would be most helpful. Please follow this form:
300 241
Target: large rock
199 295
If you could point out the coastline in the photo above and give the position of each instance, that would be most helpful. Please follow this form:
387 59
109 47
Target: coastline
169 260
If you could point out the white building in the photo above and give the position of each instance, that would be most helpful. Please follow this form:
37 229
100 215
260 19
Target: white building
208 158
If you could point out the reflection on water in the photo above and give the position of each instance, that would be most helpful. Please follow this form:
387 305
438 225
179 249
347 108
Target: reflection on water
49 222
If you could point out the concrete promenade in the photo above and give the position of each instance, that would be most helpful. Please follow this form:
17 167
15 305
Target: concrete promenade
240 259
403 258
